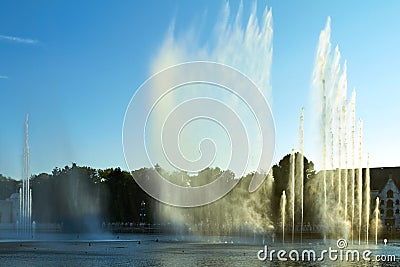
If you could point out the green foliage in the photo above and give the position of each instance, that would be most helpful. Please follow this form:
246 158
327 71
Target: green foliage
7 187
73 196
80 194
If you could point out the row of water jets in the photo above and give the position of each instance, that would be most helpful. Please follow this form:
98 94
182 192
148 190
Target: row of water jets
24 224
341 178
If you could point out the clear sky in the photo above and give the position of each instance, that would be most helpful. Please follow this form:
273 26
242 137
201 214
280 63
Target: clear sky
74 66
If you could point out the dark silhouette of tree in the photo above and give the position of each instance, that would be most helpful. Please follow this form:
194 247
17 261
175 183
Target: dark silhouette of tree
82 198
7 187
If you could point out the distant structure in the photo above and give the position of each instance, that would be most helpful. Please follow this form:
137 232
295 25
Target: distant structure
16 211
25 201
385 183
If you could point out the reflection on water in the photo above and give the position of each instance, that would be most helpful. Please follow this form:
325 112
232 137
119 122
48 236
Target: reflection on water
126 250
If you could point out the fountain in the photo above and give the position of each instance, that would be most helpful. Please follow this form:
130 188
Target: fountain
367 198
293 192
376 212
359 181
353 173
346 174
283 211
25 193
301 171
330 83
341 212
339 189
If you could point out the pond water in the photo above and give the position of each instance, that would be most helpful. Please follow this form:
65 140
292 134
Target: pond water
159 250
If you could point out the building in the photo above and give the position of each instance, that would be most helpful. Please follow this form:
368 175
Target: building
385 184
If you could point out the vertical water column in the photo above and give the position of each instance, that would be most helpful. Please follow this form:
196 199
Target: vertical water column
301 171
322 84
324 144
25 192
21 196
283 214
353 164
293 193
346 182
367 198
336 118
20 211
339 148
27 175
359 181
376 219
30 211
341 99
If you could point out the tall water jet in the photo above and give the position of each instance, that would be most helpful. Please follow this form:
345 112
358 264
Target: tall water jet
339 170
321 82
359 181
353 164
332 148
30 211
341 197
324 80
376 212
341 92
283 213
301 170
324 145
19 222
25 192
367 198
342 136
292 179
346 182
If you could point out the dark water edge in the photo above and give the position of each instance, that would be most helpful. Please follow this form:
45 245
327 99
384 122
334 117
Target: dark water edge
162 250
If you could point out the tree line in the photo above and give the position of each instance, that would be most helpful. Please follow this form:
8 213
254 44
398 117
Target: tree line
82 198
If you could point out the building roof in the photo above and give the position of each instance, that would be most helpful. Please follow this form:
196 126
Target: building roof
380 176
14 195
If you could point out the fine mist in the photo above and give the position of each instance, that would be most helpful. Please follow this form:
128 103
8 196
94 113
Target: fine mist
238 211
73 199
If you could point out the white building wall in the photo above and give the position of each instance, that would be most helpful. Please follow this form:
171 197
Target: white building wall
390 204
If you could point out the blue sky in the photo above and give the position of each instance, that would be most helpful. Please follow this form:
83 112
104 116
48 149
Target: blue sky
74 67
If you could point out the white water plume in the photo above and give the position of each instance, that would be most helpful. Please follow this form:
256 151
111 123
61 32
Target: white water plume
240 41
283 214
339 193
